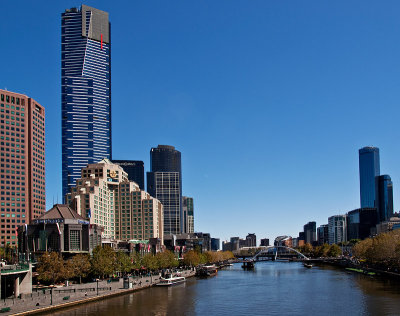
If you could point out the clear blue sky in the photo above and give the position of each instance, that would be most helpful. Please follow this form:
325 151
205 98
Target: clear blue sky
268 101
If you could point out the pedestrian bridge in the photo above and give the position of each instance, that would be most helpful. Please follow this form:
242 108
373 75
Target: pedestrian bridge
278 252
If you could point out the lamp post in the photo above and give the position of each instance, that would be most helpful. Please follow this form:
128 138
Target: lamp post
97 286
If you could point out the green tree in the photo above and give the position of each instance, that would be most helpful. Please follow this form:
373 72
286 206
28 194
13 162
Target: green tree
150 262
79 266
51 268
123 262
167 260
103 261
136 260
334 251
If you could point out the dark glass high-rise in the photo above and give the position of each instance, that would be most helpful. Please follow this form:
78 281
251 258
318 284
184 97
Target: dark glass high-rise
164 182
384 197
134 169
85 90
369 169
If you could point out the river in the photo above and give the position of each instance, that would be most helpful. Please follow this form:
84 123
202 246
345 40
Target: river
273 288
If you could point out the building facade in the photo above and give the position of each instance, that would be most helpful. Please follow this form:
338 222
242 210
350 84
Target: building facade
323 234
22 155
337 229
164 182
134 169
85 90
251 240
106 197
188 214
384 197
264 242
360 222
61 230
310 232
369 167
215 244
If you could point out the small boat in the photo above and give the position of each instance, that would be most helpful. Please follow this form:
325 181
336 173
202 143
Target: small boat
171 280
307 265
207 271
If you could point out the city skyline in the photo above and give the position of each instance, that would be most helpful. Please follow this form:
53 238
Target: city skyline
268 100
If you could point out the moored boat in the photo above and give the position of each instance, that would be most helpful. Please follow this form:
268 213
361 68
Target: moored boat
307 265
171 280
207 271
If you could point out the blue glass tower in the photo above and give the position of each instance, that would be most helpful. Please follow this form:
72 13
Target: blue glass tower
369 169
85 90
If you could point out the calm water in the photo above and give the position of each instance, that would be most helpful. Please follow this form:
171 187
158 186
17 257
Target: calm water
273 288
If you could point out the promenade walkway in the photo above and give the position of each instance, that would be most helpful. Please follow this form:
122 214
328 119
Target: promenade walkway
75 294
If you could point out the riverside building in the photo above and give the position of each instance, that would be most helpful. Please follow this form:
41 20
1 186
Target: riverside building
85 90
104 195
22 156
337 229
164 182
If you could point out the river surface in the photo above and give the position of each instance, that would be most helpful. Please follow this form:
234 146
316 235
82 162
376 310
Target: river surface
273 288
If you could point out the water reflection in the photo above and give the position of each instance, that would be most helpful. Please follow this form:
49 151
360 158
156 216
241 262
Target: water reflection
271 289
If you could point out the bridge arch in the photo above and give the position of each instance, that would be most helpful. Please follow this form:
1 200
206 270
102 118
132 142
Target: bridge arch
265 250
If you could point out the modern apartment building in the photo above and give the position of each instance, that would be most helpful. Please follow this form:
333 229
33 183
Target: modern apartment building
384 197
105 196
22 158
310 232
323 234
337 229
85 90
164 182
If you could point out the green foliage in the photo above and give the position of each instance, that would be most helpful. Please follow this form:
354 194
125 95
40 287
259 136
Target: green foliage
166 260
150 262
51 268
123 262
334 251
136 260
79 266
321 251
103 261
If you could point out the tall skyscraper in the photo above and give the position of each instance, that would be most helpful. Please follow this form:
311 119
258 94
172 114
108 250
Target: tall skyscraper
134 169
369 169
22 155
337 229
164 182
85 90
384 197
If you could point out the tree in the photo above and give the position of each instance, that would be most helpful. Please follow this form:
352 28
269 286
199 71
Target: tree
150 262
321 251
334 251
103 261
124 262
51 268
191 258
79 266
166 260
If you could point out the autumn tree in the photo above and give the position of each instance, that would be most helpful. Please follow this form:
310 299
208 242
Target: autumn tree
334 251
191 258
150 262
51 268
79 266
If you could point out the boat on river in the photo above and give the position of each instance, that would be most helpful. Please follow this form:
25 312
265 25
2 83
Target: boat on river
307 265
171 280
207 271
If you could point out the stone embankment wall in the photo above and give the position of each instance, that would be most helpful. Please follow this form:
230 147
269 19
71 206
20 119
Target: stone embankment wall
44 300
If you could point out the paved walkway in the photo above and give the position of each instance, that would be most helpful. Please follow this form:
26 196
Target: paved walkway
70 295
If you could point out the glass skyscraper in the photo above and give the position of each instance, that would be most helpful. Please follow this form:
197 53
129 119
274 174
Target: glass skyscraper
384 197
369 169
164 182
85 90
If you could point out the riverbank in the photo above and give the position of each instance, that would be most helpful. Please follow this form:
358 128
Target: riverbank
45 301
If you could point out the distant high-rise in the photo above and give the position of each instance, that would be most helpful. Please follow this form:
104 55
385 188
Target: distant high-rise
164 182
369 169
134 169
188 214
85 90
310 232
323 234
384 197
337 229
22 170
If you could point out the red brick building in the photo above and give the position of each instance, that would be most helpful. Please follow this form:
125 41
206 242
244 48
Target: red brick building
22 163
